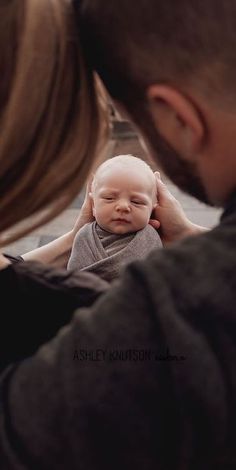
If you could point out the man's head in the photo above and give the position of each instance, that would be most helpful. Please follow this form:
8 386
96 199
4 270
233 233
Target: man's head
171 65
123 194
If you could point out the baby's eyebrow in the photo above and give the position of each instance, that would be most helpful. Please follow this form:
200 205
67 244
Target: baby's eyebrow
108 191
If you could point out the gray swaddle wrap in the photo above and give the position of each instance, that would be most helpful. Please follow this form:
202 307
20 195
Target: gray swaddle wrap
105 253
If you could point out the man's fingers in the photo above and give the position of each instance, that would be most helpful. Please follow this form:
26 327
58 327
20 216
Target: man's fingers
163 193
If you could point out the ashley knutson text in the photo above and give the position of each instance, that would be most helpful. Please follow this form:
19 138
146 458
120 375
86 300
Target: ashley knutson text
134 355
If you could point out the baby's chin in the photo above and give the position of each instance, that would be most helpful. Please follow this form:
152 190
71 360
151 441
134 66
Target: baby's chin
122 229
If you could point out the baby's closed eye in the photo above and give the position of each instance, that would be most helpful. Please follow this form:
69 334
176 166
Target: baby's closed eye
108 197
138 202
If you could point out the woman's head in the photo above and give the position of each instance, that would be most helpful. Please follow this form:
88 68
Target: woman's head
51 116
123 194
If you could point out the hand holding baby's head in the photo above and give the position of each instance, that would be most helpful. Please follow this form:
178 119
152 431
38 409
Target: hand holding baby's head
123 194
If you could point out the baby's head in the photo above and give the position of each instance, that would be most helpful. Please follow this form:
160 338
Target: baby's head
123 194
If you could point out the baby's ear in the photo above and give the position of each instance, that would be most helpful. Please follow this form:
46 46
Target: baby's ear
90 194
92 201
91 197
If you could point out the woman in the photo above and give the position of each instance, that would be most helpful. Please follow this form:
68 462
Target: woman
54 123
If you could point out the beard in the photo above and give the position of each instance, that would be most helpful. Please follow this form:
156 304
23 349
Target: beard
181 172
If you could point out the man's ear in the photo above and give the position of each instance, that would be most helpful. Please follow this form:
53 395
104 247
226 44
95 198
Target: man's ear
177 120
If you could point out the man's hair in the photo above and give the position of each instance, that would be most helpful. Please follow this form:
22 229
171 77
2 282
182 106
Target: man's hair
136 43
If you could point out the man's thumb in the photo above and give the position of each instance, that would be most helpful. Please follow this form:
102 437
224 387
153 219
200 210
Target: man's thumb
162 190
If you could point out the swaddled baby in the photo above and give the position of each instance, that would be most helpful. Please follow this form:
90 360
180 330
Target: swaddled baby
123 197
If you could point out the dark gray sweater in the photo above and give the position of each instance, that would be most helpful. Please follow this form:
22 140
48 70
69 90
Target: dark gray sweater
144 379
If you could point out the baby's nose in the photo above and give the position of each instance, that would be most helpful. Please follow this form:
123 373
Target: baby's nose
123 205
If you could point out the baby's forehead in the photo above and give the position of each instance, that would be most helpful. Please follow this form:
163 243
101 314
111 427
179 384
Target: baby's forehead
117 180
129 169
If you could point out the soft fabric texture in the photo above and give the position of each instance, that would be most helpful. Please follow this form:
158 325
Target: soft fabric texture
90 399
38 300
105 254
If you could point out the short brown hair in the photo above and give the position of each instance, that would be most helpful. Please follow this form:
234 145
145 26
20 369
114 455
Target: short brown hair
50 112
137 43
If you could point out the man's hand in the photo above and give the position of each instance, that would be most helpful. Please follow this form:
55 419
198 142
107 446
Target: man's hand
170 218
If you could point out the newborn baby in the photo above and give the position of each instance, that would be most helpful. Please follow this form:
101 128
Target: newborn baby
123 197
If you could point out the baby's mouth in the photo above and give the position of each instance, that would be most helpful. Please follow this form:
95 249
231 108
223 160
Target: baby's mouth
122 220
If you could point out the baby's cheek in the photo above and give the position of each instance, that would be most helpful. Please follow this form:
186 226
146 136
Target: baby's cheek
144 217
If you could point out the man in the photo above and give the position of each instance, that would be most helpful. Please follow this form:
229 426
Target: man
146 378
173 72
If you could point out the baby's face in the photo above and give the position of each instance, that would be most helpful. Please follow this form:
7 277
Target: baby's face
123 199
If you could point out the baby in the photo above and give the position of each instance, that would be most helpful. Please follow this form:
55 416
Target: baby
123 196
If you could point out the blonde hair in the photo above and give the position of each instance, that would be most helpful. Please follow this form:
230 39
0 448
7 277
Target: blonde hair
124 161
52 112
